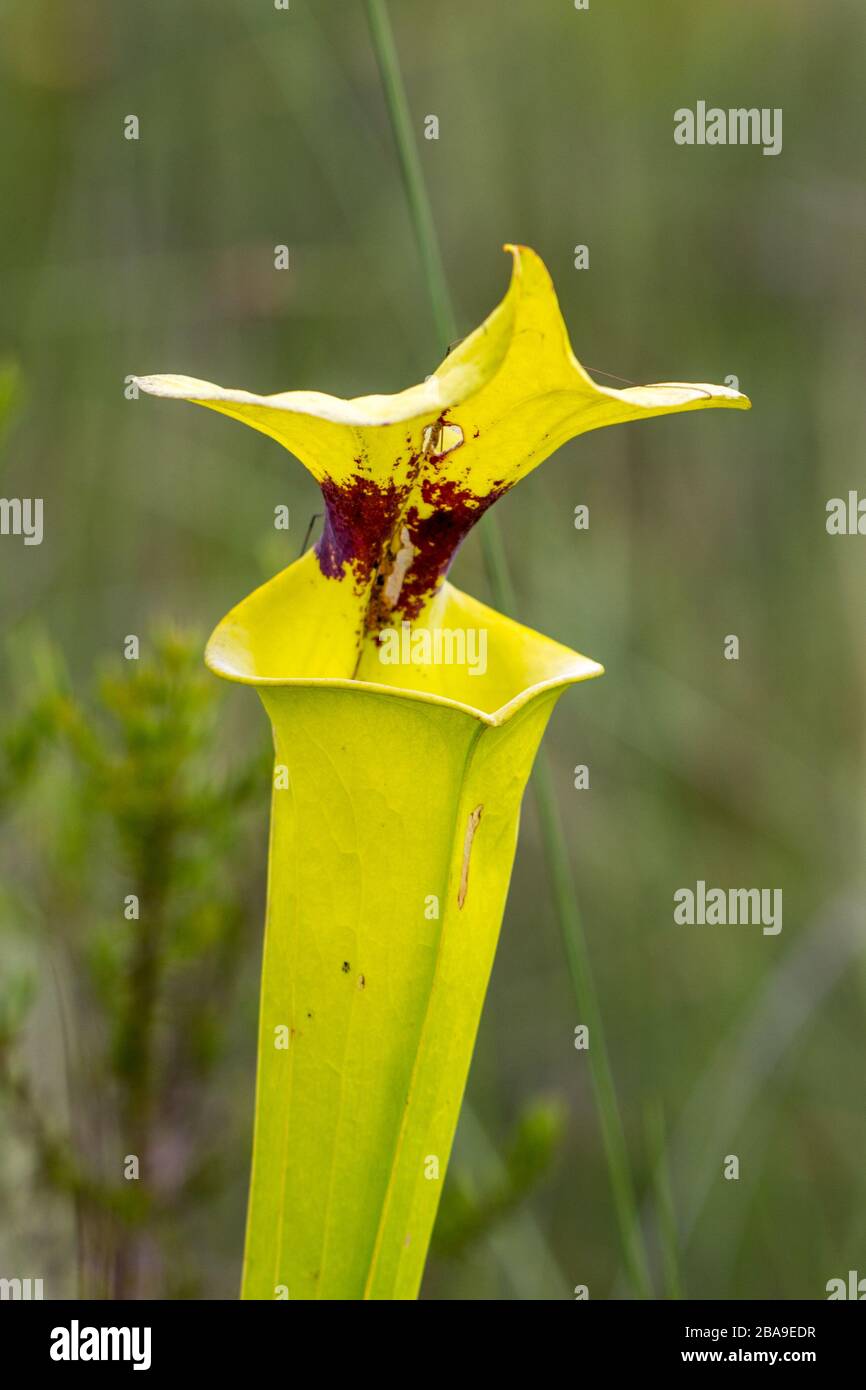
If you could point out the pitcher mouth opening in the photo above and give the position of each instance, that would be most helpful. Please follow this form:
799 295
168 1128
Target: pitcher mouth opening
460 654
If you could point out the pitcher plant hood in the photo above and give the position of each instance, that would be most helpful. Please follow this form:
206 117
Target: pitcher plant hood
405 477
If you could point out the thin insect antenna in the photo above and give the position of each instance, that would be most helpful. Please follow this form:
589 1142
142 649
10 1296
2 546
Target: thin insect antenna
313 519
613 376
629 382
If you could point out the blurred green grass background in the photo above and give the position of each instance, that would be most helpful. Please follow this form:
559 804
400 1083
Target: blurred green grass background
261 127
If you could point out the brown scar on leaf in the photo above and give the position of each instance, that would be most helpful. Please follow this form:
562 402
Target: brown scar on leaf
471 827
402 563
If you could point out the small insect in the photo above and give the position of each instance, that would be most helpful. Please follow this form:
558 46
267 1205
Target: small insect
441 438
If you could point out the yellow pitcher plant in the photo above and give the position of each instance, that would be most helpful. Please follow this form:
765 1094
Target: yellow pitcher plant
406 716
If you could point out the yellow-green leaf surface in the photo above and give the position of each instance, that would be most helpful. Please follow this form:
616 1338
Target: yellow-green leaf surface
397 783
391 851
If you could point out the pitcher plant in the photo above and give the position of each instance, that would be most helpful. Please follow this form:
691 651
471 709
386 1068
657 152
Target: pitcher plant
405 716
